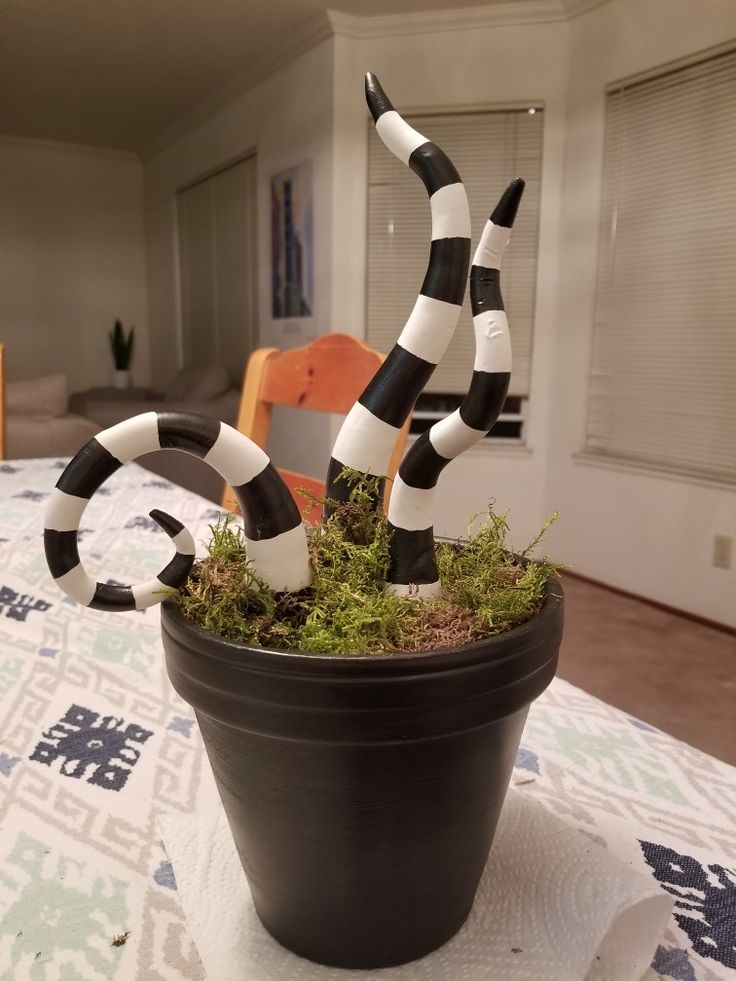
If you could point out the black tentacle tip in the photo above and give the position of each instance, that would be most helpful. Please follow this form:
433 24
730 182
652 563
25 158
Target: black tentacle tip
170 525
378 101
505 211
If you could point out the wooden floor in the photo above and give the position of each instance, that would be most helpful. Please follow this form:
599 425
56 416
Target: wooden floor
662 668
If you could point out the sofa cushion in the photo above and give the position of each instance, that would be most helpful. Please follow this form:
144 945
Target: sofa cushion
44 436
46 396
197 383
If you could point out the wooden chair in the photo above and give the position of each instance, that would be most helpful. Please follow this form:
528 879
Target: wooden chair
327 375
3 420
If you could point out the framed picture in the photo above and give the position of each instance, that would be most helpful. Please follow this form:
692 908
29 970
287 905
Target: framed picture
292 242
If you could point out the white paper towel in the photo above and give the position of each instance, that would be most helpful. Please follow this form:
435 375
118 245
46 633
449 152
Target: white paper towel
552 905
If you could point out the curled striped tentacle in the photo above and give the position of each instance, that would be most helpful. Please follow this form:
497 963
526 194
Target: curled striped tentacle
368 435
411 511
275 536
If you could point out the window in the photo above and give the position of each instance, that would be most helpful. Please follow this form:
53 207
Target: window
663 373
489 149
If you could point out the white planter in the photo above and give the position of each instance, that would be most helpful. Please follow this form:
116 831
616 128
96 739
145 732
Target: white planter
121 378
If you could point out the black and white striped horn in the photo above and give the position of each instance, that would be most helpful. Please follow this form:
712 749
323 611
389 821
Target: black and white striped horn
411 510
368 435
275 536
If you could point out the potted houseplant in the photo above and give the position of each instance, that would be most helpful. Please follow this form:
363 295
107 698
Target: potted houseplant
362 786
121 345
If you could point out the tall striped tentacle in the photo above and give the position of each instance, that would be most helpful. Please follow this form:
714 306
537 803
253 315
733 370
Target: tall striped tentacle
368 435
411 511
275 537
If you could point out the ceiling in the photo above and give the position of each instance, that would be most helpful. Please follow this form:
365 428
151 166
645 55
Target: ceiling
119 73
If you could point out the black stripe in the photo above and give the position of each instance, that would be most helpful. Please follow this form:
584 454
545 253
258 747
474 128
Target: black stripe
109 597
412 556
485 290
391 393
267 505
88 470
378 101
447 271
482 405
170 525
422 465
505 211
185 431
434 167
62 554
177 571
339 490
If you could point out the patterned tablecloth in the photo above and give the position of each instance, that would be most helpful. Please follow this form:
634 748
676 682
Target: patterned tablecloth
94 745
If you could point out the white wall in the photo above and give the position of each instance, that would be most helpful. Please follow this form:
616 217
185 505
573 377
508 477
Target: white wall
484 67
286 119
650 534
72 259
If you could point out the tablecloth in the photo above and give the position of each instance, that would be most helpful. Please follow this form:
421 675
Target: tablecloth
95 746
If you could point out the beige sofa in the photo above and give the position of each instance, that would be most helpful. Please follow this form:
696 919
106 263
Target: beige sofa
38 423
203 390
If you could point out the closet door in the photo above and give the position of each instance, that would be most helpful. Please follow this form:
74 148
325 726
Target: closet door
200 342
234 201
218 268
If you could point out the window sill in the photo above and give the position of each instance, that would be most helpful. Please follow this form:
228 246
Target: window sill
491 447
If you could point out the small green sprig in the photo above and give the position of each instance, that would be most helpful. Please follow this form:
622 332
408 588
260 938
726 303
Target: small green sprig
121 346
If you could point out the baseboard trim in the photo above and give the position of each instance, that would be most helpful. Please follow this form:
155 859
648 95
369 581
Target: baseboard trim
694 617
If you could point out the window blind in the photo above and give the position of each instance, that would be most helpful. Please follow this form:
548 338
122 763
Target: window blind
663 374
488 149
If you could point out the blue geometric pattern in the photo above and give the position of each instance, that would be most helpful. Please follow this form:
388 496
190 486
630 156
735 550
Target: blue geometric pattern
164 875
673 962
526 760
706 900
17 606
7 763
98 749
180 725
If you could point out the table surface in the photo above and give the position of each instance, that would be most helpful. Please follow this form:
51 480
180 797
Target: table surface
95 745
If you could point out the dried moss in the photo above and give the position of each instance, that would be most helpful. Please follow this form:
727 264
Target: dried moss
347 610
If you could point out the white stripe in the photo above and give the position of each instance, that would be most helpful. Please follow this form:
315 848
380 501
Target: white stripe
237 458
64 511
282 562
492 341
424 590
429 328
365 442
77 584
398 135
450 436
411 508
150 592
184 542
450 212
131 438
492 246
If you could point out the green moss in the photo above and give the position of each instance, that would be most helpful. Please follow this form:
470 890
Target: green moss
347 610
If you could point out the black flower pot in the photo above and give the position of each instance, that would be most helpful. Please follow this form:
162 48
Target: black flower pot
363 792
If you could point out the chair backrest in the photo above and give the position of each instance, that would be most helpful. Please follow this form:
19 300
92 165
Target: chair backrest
3 420
327 375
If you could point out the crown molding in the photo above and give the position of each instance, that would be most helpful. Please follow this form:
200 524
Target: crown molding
459 19
331 23
86 149
440 21
294 43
